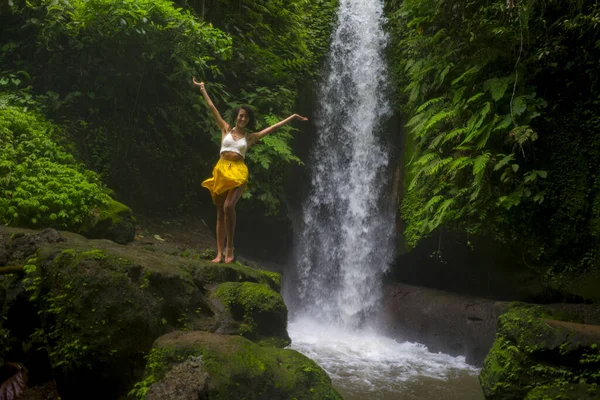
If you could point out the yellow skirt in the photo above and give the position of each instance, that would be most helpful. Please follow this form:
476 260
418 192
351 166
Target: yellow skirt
226 176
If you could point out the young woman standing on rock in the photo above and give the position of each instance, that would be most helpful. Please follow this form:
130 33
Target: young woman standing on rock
230 175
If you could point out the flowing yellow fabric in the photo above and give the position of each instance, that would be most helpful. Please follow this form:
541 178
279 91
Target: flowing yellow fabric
226 176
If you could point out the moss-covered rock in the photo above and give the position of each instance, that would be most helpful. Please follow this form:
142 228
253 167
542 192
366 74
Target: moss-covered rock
211 273
114 222
260 311
229 367
578 391
534 350
96 307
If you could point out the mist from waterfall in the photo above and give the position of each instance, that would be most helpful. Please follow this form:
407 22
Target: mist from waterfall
345 240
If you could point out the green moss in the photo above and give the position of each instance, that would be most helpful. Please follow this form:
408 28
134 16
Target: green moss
275 279
216 273
112 220
565 391
86 317
240 369
207 254
532 351
95 254
16 235
259 308
103 307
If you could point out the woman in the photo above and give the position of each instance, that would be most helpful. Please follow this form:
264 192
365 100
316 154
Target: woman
230 175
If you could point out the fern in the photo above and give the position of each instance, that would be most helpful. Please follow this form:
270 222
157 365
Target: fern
455 133
479 167
505 123
436 141
475 97
425 159
460 163
433 201
458 93
438 218
505 160
436 165
497 87
484 137
470 71
416 120
481 163
428 103
436 119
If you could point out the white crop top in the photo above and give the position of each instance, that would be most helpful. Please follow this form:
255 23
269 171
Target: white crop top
237 146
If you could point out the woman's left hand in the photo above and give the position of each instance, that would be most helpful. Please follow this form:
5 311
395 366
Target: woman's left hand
300 117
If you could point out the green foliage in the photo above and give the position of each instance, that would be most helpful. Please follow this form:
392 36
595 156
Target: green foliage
276 46
464 119
473 86
155 366
41 184
529 354
116 75
268 158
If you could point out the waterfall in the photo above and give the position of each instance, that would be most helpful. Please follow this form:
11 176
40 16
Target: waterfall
345 233
344 240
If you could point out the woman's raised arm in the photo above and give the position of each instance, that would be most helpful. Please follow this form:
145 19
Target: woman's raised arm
255 137
223 126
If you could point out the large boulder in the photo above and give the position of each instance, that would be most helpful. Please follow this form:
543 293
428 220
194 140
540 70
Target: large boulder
260 311
201 365
114 222
455 324
94 308
538 356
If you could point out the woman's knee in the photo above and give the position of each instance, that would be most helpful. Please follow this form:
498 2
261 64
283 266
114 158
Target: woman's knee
229 208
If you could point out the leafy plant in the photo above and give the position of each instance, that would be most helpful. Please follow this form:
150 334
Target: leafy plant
41 184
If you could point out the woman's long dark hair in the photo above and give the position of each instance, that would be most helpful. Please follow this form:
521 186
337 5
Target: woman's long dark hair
251 118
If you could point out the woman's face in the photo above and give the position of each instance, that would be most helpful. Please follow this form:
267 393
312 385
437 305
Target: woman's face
242 118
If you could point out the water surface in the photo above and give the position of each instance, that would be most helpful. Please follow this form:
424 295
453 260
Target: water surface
365 365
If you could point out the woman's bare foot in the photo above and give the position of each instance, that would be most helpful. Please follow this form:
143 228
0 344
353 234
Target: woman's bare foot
218 258
229 257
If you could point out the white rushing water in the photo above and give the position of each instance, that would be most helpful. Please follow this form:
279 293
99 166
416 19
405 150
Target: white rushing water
345 238
365 365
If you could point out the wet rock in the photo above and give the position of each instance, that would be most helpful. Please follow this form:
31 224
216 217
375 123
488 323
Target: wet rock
231 367
259 310
22 243
447 322
535 355
185 381
96 307
114 222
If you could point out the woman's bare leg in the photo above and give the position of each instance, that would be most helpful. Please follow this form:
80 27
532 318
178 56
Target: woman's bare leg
229 207
220 202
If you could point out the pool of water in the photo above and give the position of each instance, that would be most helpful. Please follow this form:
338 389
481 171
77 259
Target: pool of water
365 365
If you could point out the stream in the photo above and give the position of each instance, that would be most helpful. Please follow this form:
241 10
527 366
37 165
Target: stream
363 365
